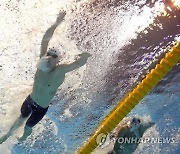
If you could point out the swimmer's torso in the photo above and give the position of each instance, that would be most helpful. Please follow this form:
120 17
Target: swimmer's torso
46 85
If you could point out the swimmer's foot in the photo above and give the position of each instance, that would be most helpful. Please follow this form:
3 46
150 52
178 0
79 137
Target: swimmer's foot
21 139
3 139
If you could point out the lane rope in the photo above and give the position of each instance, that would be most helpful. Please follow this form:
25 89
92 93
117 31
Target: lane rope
172 57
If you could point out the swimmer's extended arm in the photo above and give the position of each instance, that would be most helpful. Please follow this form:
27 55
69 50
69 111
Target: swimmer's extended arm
122 131
78 63
49 33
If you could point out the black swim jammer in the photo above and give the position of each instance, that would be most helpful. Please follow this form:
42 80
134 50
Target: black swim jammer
30 107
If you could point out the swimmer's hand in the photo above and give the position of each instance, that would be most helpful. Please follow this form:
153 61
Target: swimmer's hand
60 17
85 54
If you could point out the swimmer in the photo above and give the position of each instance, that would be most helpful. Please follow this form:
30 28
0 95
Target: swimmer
49 76
132 129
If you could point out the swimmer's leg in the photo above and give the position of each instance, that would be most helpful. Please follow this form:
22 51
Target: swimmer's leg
37 114
19 121
27 132
25 112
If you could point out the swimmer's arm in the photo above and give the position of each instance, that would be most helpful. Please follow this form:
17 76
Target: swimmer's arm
122 132
137 133
78 63
49 33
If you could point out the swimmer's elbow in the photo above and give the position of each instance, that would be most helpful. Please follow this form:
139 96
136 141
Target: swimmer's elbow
72 66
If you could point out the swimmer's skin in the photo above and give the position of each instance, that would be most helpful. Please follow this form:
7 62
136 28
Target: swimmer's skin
124 131
46 84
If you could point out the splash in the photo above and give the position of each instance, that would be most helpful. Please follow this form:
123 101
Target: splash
102 28
176 3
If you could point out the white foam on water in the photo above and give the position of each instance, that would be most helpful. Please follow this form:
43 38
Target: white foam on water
67 112
151 132
23 25
12 97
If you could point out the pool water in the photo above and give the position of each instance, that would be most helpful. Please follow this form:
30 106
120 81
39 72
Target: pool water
125 40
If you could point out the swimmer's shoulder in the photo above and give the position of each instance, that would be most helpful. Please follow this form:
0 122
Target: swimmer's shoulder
122 130
61 67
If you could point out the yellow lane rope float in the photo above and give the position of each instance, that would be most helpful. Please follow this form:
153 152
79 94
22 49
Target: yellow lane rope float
134 97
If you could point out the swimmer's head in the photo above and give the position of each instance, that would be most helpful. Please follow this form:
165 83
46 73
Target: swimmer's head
49 61
134 123
53 53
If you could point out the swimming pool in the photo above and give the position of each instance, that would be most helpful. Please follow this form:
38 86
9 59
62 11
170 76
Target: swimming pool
123 39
